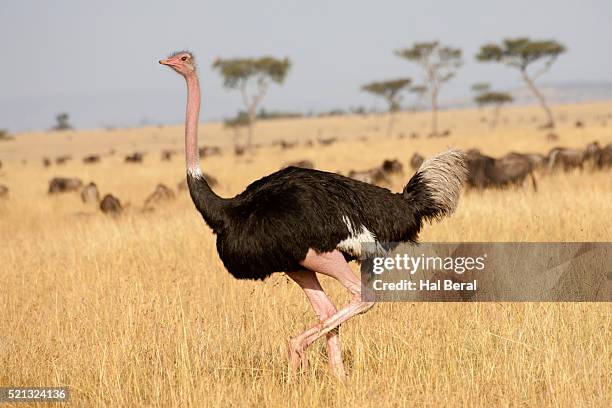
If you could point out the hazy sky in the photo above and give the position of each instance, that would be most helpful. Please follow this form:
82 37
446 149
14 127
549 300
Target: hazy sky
98 59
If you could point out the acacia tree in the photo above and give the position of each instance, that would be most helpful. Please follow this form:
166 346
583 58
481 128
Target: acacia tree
62 122
391 91
520 53
440 63
485 96
243 73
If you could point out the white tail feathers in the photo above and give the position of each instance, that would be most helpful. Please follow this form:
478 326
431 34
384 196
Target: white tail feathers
444 175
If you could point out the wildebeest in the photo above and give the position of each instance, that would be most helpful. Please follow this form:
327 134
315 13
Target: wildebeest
64 184
287 145
93 158
486 172
4 190
62 159
392 167
166 155
136 157
605 157
90 193
538 161
600 157
304 164
161 194
371 176
209 151
378 175
416 160
46 162
239 150
111 205
327 141
566 159
552 137
211 180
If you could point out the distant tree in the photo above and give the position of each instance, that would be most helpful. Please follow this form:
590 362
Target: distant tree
486 97
391 91
520 53
5 135
420 91
62 122
481 87
440 63
241 73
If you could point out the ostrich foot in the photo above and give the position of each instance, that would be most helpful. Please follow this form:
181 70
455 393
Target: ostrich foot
297 356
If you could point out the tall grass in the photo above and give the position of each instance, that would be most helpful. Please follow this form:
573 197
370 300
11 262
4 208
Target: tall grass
139 311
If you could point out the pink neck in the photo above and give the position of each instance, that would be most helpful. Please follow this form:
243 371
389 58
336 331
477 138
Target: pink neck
192 156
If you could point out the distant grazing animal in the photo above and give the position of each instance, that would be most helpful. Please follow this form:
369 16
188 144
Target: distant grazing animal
487 172
552 137
304 221
0 164
134 158
599 157
592 153
94 158
392 167
605 157
239 150
90 194
305 164
287 145
374 176
166 155
4 190
62 159
378 175
416 160
209 151
566 159
111 205
64 185
46 162
538 161
327 141
160 195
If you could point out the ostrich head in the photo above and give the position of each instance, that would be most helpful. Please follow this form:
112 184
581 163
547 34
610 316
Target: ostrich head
182 62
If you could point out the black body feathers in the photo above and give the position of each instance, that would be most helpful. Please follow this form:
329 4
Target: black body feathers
271 225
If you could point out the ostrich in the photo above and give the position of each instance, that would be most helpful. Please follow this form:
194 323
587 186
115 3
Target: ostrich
304 221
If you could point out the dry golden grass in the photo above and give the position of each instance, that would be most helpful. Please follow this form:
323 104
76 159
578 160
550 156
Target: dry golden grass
140 312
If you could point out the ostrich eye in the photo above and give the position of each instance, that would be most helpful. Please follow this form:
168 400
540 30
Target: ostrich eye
184 58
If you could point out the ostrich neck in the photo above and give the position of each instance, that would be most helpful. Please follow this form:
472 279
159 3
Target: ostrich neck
192 157
210 205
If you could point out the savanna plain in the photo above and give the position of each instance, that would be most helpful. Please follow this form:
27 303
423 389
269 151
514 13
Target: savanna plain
137 310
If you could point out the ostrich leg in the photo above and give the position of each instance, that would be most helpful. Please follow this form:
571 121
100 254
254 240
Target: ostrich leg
332 264
324 308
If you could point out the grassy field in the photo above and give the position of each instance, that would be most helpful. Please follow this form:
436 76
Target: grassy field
138 311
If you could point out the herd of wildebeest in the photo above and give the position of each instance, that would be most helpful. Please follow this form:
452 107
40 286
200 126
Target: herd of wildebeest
513 169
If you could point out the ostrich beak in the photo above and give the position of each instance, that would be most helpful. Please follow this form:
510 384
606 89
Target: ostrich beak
164 62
